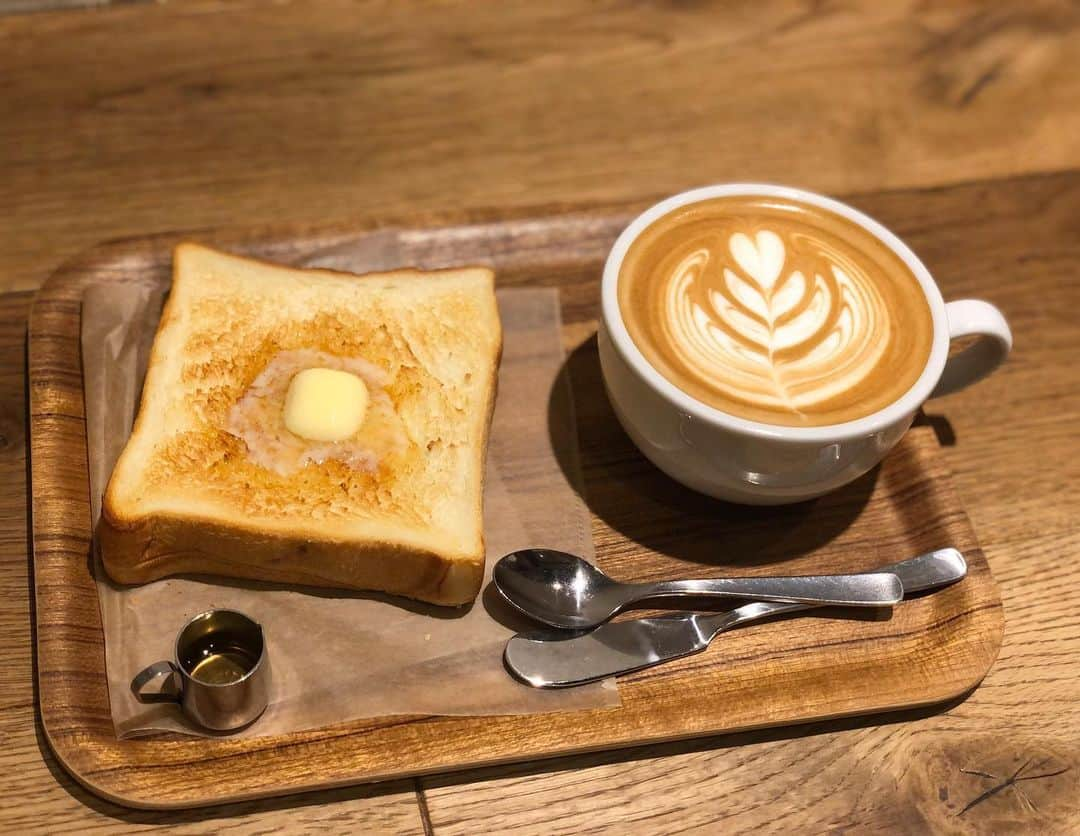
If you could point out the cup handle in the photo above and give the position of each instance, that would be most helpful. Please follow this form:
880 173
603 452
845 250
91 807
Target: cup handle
148 675
967 318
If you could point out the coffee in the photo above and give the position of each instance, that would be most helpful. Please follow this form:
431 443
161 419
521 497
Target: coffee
775 310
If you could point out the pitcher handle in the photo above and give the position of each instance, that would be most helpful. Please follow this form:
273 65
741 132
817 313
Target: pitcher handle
151 673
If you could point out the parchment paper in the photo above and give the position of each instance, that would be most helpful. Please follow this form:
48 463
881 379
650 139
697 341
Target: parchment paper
337 656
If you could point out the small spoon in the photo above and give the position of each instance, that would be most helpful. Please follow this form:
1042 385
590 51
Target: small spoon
554 660
565 591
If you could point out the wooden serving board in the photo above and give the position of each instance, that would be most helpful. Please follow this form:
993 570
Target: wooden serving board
645 526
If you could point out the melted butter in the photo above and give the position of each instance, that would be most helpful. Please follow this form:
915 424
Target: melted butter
325 404
258 417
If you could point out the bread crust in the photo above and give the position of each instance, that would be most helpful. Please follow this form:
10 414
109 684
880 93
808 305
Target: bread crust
140 545
162 545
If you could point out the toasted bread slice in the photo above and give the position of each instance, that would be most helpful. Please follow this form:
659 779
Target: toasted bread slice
193 494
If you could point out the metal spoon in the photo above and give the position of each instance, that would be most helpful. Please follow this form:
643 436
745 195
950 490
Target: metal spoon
549 660
563 590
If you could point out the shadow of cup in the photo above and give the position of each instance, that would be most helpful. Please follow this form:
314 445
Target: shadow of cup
646 507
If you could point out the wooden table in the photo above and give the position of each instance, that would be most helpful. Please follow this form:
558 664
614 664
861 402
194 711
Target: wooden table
960 125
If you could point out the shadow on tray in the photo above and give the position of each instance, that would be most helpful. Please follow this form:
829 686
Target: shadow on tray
624 490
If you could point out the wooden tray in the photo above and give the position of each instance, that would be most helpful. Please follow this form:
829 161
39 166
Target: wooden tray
645 526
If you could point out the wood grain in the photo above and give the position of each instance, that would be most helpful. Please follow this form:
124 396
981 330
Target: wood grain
148 117
644 525
9 7
1015 453
160 117
1013 242
39 796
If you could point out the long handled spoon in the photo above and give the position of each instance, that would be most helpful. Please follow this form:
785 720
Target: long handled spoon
551 661
564 590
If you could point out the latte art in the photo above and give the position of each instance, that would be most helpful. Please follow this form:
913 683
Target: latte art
776 312
772 328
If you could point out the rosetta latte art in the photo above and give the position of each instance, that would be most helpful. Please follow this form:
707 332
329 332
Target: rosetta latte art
773 310
776 324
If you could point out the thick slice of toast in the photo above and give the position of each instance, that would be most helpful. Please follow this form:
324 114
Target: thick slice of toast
192 493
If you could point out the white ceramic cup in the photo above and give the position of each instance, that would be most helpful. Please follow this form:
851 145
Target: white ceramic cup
766 464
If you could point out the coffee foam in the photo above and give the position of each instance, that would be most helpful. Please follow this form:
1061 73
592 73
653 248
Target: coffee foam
775 310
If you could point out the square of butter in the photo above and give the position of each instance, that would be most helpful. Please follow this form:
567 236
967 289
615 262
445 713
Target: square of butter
325 404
